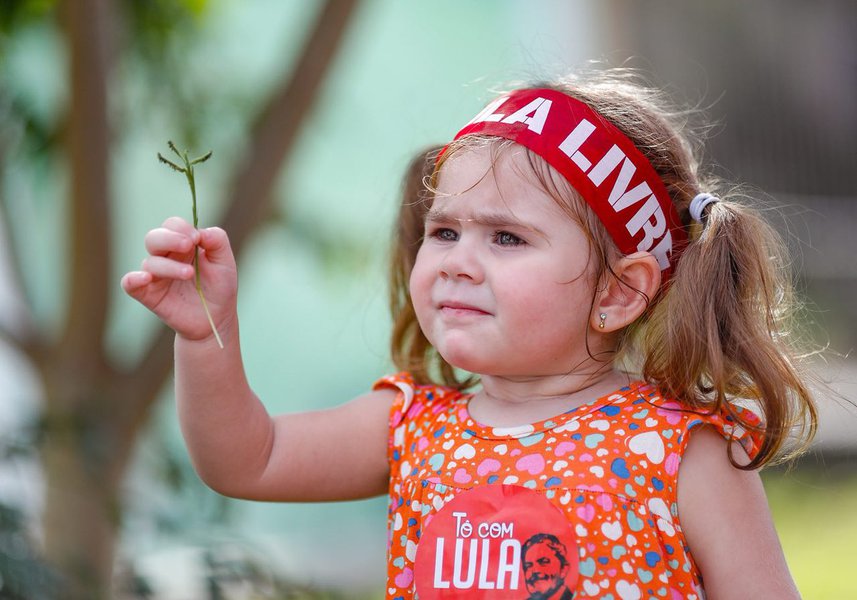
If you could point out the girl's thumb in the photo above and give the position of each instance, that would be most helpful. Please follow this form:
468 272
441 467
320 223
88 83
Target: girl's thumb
215 242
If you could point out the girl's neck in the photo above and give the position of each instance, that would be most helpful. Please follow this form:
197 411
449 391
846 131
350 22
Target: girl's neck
509 402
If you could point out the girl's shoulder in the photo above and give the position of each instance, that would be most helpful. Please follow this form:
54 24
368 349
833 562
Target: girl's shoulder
413 397
649 409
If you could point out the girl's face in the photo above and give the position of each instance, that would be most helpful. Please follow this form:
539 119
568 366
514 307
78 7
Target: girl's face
503 281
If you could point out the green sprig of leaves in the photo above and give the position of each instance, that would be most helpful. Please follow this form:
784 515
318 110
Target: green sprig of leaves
187 169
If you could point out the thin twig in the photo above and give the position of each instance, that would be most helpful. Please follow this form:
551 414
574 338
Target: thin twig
188 172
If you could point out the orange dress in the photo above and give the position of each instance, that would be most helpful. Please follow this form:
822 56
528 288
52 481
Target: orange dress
468 502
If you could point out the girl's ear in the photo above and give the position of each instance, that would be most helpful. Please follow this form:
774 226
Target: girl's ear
626 293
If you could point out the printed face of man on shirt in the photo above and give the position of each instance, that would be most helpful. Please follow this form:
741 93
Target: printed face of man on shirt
545 567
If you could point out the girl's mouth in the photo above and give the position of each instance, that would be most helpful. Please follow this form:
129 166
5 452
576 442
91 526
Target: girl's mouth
461 309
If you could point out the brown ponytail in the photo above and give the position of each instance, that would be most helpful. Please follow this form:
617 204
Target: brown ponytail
721 331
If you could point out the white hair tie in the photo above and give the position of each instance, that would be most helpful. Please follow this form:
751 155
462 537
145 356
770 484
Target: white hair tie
698 204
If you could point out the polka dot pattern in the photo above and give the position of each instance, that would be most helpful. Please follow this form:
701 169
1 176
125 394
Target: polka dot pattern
611 466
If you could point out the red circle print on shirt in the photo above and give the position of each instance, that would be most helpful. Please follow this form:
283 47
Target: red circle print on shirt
496 539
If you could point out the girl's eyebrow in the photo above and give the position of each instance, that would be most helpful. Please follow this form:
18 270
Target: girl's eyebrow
486 218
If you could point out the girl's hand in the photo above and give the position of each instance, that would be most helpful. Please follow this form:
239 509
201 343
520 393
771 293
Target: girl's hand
165 284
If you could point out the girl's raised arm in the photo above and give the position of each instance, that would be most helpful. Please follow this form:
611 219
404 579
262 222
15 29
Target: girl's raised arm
235 445
728 525
240 451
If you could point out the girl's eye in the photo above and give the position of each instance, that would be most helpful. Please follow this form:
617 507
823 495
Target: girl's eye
504 238
444 235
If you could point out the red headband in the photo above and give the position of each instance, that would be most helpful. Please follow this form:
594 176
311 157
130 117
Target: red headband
599 161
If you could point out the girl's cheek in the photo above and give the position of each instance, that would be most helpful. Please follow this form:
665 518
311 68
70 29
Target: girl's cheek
417 284
421 273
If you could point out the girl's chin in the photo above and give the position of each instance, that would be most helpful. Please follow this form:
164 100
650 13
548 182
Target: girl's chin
478 364
466 361
483 358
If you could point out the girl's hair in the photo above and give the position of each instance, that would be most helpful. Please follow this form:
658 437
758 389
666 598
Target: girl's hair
719 331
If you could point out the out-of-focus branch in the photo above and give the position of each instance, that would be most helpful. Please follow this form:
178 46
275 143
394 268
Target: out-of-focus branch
87 149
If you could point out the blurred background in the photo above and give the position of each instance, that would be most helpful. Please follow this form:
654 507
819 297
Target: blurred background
313 109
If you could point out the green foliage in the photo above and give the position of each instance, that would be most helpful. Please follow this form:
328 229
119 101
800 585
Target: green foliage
154 40
15 13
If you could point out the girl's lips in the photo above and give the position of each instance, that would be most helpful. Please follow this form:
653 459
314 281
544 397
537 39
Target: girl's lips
461 309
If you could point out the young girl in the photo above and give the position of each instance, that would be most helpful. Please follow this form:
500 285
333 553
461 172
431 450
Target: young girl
594 366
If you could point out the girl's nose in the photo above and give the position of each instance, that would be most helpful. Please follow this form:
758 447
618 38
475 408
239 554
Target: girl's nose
461 262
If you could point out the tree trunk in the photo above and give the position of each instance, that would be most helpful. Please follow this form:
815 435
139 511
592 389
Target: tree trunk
81 511
85 451
80 514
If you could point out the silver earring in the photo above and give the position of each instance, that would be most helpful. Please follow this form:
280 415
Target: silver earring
601 324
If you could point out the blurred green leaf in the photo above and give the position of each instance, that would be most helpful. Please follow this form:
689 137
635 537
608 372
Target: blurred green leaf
15 13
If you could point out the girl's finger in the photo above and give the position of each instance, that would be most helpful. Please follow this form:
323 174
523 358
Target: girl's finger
179 225
134 281
215 242
163 241
166 268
